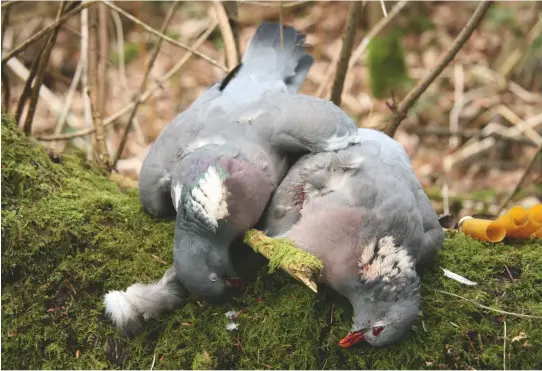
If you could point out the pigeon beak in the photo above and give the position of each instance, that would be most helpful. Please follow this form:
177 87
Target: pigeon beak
235 282
351 339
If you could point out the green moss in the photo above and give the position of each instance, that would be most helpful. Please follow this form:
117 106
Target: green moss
69 235
204 361
131 51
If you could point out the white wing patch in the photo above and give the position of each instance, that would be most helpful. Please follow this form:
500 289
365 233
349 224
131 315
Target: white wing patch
337 142
209 197
177 190
390 261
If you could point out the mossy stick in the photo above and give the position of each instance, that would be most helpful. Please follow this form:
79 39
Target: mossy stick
281 253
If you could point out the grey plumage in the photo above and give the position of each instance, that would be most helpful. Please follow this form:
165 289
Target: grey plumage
363 212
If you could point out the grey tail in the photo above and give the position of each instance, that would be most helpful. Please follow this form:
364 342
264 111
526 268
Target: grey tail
144 300
267 57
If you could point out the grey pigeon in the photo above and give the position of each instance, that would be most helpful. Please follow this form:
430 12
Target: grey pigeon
216 165
362 211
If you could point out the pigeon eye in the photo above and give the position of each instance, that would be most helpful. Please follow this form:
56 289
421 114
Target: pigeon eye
377 330
213 277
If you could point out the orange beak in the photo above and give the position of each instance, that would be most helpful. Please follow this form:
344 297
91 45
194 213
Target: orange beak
351 339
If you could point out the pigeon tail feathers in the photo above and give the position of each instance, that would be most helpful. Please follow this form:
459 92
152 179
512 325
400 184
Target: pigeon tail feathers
272 54
144 300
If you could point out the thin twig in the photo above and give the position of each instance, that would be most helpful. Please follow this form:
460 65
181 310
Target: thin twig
384 11
120 47
165 37
521 180
87 109
467 134
354 12
19 48
69 97
100 147
382 23
489 308
44 60
143 98
232 13
122 69
417 91
154 54
102 65
504 348
479 147
27 89
360 49
232 59
6 91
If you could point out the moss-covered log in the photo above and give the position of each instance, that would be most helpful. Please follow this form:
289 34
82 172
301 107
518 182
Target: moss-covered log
69 235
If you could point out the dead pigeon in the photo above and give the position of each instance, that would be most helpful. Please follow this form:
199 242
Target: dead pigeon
364 214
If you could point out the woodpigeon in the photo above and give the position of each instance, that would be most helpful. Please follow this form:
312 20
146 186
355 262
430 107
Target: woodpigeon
216 165
362 211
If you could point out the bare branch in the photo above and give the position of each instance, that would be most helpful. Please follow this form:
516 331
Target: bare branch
232 58
46 30
354 13
43 61
521 180
232 12
155 52
165 37
144 97
360 49
467 134
417 91
100 147
102 65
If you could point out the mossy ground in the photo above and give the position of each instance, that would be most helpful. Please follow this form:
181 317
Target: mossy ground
69 235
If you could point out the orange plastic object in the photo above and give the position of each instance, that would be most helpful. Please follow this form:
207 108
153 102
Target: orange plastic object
514 219
483 229
534 222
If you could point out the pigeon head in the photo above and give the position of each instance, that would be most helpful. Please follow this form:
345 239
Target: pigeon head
387 298
217 198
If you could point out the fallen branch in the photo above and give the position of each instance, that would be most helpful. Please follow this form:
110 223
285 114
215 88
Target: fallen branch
165 37
46 30
154 55
354 12
281 253
42 64
158 85
401 110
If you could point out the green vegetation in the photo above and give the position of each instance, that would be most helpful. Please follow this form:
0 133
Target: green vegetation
386 63
69 235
